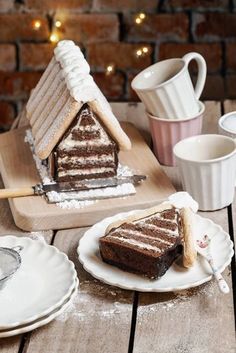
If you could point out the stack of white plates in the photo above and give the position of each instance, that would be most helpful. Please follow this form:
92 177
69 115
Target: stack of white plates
41 289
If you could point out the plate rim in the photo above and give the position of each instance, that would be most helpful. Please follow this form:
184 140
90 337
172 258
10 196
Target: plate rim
59 302
45 319
150 288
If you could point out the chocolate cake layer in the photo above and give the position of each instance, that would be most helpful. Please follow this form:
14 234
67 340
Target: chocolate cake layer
147 246
86 165
86 176
86 151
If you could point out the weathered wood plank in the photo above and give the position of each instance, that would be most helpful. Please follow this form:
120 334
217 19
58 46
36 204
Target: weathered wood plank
100 320
199 320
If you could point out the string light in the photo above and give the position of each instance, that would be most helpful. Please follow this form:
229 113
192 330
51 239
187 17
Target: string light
139 52
142 16
145 50
54 38
58 23
139 18
142 51
37 24
110 69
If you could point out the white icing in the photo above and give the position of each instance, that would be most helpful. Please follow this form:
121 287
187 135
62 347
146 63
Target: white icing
137 243
72 172
84 160
76 71
183 199
154 227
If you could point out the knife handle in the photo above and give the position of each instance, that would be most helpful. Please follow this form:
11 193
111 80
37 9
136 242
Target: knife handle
16 192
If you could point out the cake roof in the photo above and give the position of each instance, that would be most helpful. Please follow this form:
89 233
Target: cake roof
62 90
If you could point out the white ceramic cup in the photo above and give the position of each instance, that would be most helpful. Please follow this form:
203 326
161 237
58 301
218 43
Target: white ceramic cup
207 165
227 125
166 88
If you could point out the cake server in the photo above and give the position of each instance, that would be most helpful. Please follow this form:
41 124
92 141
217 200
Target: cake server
82 185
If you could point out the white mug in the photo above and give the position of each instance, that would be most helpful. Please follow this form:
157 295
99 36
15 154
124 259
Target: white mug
227 125
207 165
166 88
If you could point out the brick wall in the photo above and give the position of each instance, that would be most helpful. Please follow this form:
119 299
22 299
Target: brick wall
108 34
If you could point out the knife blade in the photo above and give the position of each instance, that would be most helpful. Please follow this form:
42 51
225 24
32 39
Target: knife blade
43 189
88 184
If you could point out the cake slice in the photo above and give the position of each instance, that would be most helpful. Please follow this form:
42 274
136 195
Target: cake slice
148 242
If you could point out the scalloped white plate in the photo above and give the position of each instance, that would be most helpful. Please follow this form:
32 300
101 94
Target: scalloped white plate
176 278
43 320
43 282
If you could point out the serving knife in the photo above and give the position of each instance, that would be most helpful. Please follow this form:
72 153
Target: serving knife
68 186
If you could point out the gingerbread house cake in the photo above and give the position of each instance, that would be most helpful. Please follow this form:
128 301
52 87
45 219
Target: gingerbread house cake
74 130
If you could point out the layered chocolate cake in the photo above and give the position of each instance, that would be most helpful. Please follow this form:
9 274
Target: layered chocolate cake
146 245
86 151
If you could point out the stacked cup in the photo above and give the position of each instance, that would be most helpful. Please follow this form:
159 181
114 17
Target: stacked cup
172 103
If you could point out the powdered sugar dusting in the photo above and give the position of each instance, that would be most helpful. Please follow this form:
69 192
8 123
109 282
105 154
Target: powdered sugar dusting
42 169
80 199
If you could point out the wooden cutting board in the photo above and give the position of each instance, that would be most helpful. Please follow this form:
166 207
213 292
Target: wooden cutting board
33 213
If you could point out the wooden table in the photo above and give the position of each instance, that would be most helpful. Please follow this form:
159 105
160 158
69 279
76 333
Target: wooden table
106 319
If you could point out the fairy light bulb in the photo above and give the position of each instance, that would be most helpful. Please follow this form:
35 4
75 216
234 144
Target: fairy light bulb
145 50
139 52
58 23
110 69
54 38
37 24
138 20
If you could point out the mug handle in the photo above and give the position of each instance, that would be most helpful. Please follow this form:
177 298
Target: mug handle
202 70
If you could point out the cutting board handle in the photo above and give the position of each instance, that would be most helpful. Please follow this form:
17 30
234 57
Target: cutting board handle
16 192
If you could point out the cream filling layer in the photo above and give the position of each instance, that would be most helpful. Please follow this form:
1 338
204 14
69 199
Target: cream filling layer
138 244
72 172
83 160
141 235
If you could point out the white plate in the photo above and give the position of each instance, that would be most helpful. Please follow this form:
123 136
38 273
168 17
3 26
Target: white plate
42 283
176 278
43 320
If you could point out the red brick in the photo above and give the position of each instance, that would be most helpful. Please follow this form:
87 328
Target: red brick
158 27
231 56
6 5
211 52
122 55
90 28
19 26
35 56
124 5
214 88
196 4
7 57
18 84
81 5
7 114
231 86
214 26
112 86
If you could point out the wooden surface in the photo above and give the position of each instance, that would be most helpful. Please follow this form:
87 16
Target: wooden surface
103 318
34 213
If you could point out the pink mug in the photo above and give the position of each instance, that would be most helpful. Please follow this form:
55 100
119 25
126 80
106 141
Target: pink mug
167 132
